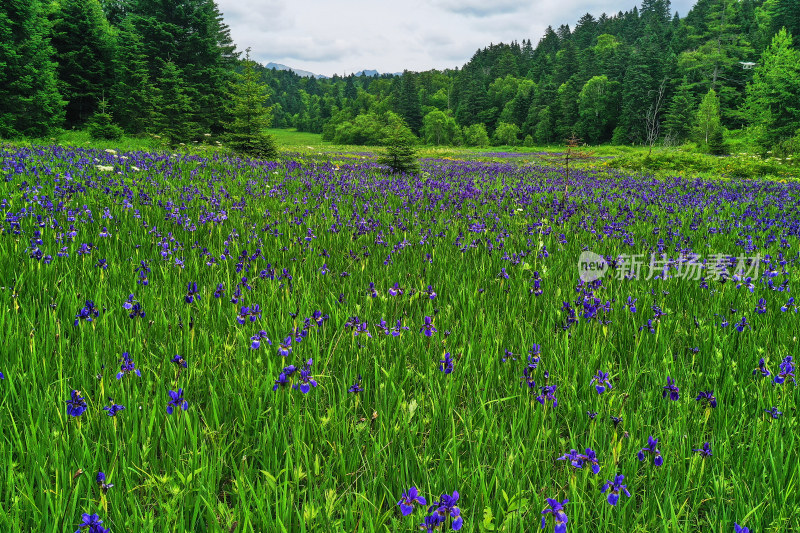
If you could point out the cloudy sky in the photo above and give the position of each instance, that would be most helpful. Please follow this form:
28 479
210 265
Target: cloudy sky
344 36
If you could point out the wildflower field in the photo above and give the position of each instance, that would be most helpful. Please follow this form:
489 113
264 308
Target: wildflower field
214 344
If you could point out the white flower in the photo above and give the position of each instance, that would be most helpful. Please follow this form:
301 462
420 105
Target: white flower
104 168
135 169
110 151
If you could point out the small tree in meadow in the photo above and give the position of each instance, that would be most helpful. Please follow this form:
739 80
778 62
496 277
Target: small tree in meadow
400 155
101 124
251 115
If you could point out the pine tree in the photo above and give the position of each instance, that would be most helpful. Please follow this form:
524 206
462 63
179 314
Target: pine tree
84 50
680 114
30 103
773 98
173 118
400 155
251 115
408 106
193 36
133 93
101 124
786 14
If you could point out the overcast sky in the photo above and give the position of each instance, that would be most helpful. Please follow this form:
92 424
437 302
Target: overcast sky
344 36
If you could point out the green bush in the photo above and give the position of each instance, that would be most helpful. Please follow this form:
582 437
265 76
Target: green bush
739 166
101 125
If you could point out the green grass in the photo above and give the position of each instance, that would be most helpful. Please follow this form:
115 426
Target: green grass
245 458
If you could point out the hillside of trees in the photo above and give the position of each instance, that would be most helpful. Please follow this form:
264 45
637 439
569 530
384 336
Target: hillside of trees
643 76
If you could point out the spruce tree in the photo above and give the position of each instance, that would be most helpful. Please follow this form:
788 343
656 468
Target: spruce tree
786 14
193 36
173 118
101 124
408 106
133 92
84 50
680 114
30 103
251 115
773 98
400 154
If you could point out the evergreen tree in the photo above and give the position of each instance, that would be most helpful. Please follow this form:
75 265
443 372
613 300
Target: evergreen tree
30 103
680 114
84 50
101 124
786 14
251 115
173 118
400 154
773 98
408 106
193 36
133 93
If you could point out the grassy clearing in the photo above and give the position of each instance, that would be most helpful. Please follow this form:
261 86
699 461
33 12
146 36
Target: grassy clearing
497 248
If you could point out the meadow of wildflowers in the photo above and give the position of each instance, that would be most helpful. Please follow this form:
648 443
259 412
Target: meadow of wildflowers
216 344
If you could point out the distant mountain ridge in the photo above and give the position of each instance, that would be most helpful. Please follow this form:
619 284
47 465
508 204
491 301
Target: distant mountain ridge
301 73
306 74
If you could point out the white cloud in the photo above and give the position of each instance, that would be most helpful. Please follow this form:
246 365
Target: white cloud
342 36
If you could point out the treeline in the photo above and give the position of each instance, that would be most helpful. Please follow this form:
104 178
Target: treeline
644 76
152 65
636 77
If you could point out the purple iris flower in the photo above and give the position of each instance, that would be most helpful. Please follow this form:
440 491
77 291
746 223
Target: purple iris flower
785 371
87 312
2 376
574 457
705 451
616 487
591 414
548 392
446 364
180 361
192 293
740 529
774 413
761 308
602 380
591 458
114 408
427 327
127 366
305 381
356 387
671 390
100 479
285 347
447 506
557 510
319 318
652 447
707 397
76 405
91 524
395 290
762 367
281 382
408 499
176 400
432 522
255 340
